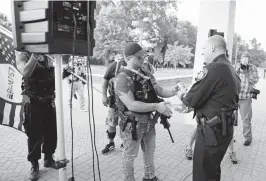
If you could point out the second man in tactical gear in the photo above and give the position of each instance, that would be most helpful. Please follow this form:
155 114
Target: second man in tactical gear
108 84
135 105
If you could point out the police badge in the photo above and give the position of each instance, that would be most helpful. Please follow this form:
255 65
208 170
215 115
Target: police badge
201 75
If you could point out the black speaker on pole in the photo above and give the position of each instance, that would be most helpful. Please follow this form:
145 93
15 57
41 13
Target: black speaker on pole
42 26
214 32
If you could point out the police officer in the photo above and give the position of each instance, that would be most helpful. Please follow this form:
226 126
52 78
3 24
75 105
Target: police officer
135 112
214 95
108 84
39 109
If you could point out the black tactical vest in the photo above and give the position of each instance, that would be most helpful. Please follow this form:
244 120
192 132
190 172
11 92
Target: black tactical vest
143 90
41 83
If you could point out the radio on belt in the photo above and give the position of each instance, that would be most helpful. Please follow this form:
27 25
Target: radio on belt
48 26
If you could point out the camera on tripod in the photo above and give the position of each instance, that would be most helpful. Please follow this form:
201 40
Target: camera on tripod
254 92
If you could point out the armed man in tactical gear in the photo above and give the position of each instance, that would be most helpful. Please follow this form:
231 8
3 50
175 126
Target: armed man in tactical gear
108 84
214 97
135 107
38 90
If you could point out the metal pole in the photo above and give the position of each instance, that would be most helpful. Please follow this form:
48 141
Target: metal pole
59 114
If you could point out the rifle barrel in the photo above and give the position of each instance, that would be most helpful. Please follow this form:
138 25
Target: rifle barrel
170 135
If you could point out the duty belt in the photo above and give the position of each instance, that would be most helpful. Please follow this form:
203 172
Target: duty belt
46 99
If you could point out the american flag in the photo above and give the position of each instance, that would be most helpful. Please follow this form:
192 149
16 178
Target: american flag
11 113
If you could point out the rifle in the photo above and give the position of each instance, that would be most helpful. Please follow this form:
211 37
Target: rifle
147 86
164 122
150 96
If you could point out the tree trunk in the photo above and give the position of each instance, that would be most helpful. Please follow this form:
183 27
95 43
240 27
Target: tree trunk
106 57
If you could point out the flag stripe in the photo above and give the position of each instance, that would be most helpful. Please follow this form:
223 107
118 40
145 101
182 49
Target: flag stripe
2 107
7 113
17 117
12 115
6 32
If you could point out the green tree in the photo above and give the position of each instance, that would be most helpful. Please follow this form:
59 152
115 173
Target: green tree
258 55
178 55
114 24
257 52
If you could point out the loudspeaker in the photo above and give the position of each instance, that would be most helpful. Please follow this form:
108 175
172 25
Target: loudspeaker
42 26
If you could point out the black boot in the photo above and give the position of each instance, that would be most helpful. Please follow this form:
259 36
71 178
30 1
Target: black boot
34 171
108 148
50 163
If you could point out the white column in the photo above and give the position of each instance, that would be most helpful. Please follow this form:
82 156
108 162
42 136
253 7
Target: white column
219 15
60 115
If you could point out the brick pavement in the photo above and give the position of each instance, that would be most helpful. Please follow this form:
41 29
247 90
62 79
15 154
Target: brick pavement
170 162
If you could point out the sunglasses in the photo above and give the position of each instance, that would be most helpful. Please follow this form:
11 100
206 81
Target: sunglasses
139 58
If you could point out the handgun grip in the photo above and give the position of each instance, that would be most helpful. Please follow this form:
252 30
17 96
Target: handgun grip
214 121
134 130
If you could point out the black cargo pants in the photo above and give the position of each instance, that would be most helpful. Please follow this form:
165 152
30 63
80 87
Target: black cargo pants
207 159
40 127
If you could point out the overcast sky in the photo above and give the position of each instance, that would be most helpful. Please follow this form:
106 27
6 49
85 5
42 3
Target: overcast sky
249 17
249 20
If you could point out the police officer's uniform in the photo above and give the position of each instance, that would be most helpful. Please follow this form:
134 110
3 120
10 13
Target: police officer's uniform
216 87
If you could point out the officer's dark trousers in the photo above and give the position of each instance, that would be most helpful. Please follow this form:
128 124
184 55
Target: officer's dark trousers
40 127
206 159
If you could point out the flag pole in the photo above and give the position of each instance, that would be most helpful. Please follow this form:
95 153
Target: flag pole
59 114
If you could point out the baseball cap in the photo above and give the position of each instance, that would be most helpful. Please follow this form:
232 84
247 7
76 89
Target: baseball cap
118 57
246 54
132 49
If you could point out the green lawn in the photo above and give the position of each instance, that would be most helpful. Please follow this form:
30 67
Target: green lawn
159 73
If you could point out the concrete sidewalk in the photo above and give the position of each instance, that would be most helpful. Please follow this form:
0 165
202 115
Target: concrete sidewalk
170 161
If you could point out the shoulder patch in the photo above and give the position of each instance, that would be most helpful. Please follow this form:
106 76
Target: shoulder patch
201 75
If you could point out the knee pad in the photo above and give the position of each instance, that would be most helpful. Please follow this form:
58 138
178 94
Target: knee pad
111 135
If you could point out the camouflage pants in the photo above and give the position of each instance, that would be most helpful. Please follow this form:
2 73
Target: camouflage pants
112 118
146 139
